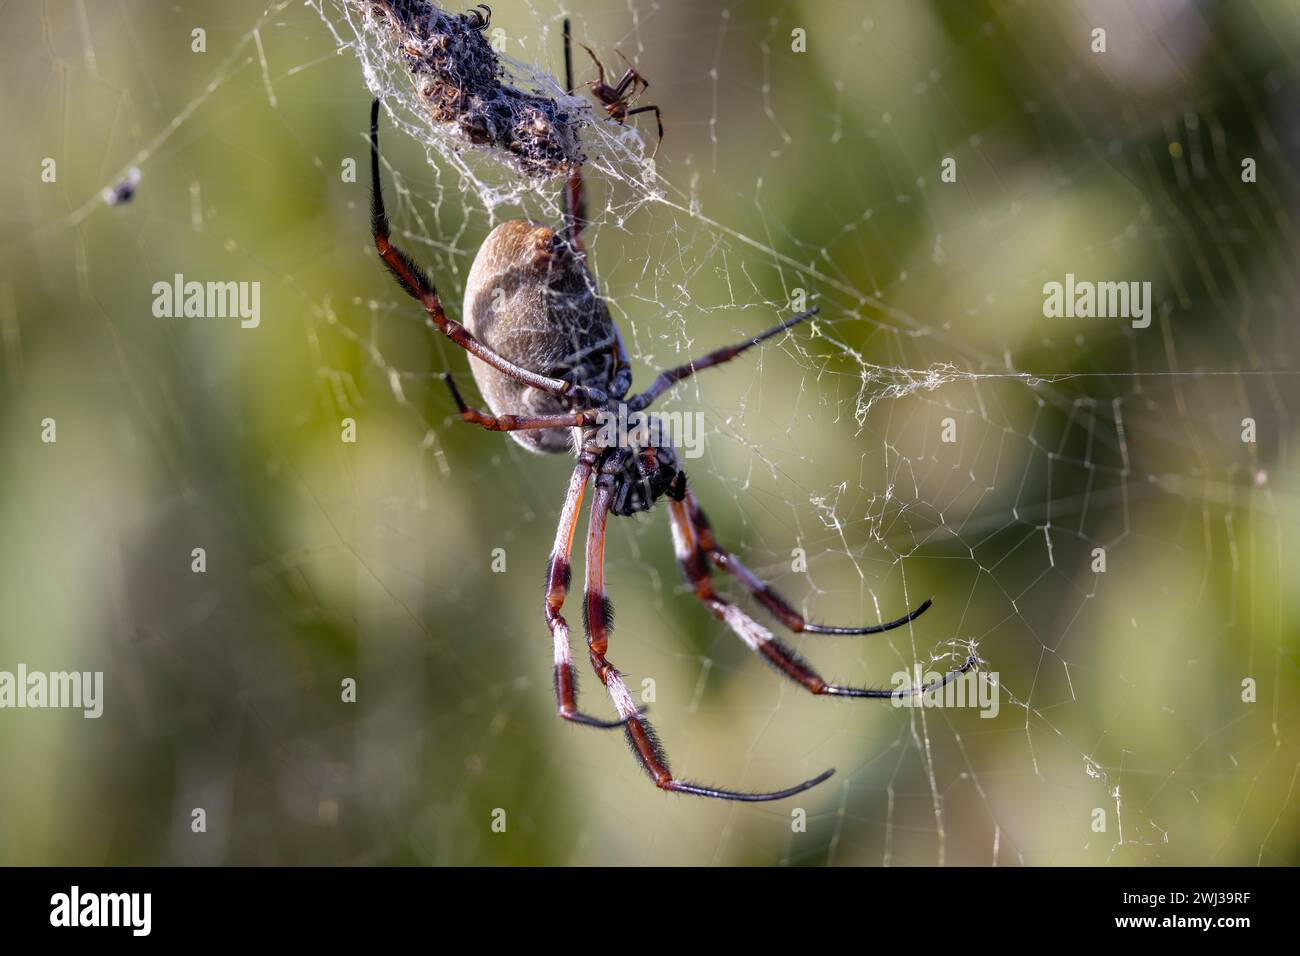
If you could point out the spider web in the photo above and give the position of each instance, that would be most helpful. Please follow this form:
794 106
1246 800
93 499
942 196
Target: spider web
783 176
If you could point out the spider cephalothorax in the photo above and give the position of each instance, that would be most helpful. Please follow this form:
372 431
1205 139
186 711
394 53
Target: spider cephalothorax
552 367
642 477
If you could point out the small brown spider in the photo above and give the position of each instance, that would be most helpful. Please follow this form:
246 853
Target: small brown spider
550 363
617 98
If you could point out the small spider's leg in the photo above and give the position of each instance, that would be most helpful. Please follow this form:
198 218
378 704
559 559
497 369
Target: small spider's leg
598 619
763 592
645 84
626 80
638 82
600 68
412 278
558 574
516 423
670 377
658 119
691 559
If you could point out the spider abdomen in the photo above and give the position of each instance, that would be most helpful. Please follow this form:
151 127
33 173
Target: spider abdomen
531 299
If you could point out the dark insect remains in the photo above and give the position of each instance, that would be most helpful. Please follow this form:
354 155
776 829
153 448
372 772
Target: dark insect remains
551 365
458 74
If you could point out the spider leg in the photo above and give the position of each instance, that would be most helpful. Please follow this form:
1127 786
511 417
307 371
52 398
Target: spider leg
575 202
418 286
598 620
691 559
670 377
558 574
631 74
568 56
627 79
600 68
658 119
515 423
763 592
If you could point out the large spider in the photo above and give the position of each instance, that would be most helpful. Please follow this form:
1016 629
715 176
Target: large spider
550 362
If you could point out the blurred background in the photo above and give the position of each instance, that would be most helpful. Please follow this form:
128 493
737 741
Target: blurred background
803 154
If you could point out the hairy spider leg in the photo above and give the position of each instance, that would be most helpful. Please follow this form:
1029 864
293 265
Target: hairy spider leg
559 572
630 76
517 423
412 278
598 620
659 121
692 559
670 377
600 68
763 592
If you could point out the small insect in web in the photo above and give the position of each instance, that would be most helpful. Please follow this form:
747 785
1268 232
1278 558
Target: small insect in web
123 192
550 363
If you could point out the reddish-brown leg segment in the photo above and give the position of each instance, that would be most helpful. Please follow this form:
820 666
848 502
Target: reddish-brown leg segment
598 617
691 557
659 121
515 423
558 574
